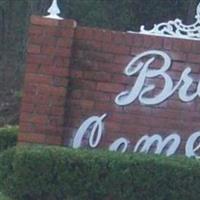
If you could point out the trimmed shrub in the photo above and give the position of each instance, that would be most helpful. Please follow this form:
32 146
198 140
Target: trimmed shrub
8 137
59 173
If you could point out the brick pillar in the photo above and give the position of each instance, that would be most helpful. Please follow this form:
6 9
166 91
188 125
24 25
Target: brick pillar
46 81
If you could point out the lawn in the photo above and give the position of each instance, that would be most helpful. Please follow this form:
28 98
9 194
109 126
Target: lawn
2 197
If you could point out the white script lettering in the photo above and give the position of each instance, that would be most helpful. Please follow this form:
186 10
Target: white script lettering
93 126
120 144
189 148
139 90
171 143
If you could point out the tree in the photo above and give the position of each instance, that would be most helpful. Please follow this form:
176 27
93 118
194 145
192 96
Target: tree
191 11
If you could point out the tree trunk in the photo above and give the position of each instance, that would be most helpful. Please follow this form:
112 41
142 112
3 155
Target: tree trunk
191 11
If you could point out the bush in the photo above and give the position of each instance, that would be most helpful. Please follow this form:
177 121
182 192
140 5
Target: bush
59 173
8 137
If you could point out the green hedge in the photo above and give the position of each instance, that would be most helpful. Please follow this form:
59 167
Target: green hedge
8 137
30 173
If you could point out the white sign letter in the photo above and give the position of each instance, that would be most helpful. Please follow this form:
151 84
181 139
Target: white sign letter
138 66
118 144
171 143
189 148
92 127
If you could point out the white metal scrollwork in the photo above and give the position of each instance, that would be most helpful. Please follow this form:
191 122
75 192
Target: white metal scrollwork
176 28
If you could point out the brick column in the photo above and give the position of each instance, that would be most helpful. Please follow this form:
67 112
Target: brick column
46 80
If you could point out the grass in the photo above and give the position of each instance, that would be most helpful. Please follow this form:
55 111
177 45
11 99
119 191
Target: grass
2 197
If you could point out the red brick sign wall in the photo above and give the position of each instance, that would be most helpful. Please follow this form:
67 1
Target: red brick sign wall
75 72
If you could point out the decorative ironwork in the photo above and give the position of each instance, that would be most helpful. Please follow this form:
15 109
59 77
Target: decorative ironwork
176 28
54 11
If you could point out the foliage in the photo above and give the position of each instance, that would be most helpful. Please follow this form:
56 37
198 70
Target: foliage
59 173
123 15
8 137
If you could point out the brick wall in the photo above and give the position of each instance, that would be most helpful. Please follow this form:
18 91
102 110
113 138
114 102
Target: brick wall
76 72
46 80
